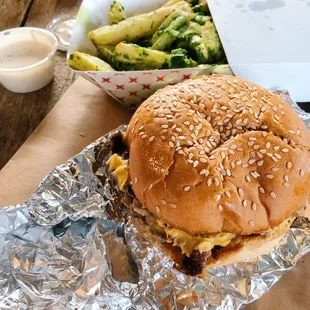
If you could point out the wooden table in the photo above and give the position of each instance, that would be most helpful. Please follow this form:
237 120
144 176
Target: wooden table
20 114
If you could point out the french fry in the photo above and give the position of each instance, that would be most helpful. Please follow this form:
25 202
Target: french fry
84 62
116 13
211 41
171 33
134 27
136 55
171 2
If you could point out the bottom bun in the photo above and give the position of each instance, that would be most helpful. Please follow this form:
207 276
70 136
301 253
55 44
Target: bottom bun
240 249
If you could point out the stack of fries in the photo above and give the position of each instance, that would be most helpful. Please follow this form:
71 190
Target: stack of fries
180 34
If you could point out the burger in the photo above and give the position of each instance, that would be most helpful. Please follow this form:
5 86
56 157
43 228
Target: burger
215 170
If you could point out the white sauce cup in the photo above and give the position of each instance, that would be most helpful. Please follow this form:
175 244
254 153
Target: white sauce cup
20 73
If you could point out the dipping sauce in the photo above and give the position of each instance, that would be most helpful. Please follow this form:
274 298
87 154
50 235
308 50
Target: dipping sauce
12 56
27 58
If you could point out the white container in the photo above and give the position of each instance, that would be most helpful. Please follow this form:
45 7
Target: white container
128 87
27 58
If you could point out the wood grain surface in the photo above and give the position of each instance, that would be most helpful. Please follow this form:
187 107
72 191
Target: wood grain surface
12 13
20 114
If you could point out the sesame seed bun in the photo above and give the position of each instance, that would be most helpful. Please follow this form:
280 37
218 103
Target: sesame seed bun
219 154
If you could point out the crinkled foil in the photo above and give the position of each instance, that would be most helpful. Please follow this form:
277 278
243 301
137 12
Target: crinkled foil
67 248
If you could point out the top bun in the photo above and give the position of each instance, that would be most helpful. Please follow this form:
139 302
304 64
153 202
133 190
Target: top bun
219 154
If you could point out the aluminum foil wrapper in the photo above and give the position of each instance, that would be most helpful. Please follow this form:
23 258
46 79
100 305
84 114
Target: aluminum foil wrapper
68 247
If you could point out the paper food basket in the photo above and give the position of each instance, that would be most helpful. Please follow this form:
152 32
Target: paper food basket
128 87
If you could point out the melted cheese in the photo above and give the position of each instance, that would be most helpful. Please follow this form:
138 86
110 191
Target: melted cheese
188 243
119 169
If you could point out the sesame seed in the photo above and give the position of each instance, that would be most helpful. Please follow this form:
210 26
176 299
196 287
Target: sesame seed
251 143
276 147
203 160
274 159
216 182
180 152
238 162
171 144
273 195
244 203
275 169
190 142
301 172
233 146
269 176
141 127
285 150
190 161
218 197
277 156
248 178
186 188
260 163
157 209
163 137
245 165
195 164
163 201
264 127
251 161
227 193
151 138
222 155
172 205
136 180
285 178
292 143
256 146
220 208
267 145
209 182
240 191
251 223
254 207
141 133
261 189
164 126
291 132
239 149
286 184
254 174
